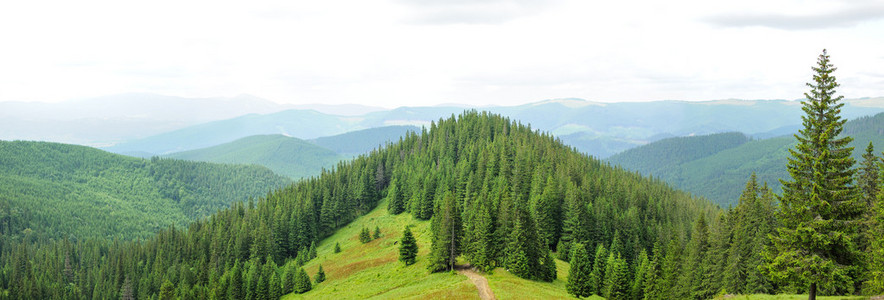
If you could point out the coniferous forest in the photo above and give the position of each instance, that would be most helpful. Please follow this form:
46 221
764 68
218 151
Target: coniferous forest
498 194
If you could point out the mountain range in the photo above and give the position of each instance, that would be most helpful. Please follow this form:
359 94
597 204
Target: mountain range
716 166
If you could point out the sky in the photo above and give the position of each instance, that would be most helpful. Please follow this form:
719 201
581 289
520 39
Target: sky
429 52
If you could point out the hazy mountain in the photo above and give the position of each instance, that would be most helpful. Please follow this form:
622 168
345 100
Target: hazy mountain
145 124
304 124
104 121
717 166
284 155
358 142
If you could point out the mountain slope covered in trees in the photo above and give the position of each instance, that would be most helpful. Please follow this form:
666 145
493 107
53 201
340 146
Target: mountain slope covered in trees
719 173
284 155
50 190
498 194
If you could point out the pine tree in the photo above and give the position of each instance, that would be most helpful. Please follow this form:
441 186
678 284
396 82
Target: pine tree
638 280
597 278
167 291
446 228
364 235
320 275
275 286
548 268
302 282
408 248
875 282
616 279
288 278
580 272
819 206
395 205
377 232
337 247
311 254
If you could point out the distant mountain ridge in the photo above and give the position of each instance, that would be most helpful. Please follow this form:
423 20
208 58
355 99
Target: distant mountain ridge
595 128
283 155
107 120
728 159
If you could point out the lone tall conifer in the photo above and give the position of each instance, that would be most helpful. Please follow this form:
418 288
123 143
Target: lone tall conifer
814 246
408 248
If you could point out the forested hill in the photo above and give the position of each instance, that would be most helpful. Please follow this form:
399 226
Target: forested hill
716 166
509 194
284 155
65 191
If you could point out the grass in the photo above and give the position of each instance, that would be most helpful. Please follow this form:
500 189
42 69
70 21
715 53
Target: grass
373 270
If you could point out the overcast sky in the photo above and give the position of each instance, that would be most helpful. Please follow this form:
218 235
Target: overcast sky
427 52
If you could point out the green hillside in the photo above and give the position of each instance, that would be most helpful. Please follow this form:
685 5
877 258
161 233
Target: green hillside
284 155
358 142
728 159
372 270
502 195
65 191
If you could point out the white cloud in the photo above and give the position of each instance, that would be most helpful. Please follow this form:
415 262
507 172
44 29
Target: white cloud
415 52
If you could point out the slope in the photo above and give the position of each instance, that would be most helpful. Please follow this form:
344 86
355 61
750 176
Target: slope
358 142
57 190
284 155
719 175
372 270
516 194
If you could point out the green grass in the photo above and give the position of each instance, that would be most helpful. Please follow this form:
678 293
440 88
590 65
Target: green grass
508 286
373 270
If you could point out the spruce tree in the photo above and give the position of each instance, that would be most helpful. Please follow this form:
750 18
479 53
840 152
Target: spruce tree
364 235
616 277
396 205
815 245
302 282
320 275
597 278
377 232
337 247
288 278
875 283
446 227
548 268
408 247
579 274
642 263
275 286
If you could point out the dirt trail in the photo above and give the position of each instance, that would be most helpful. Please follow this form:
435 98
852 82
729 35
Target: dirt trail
481 283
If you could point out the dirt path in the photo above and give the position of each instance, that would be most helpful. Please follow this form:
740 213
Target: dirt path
481 283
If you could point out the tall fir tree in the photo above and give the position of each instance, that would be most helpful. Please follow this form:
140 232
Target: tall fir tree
874 284
578 276
320 275
302 282
408 247
815 247
597 278
446 228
